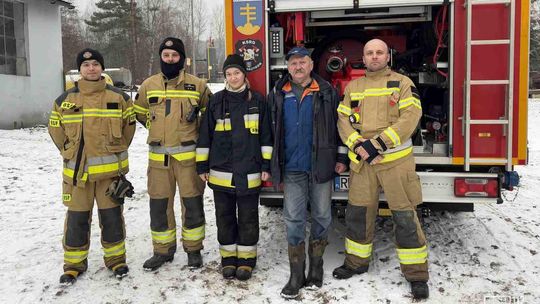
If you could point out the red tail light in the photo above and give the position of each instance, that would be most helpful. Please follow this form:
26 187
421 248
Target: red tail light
267 184
476 187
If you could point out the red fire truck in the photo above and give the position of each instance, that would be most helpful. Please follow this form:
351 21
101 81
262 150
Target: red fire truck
469 60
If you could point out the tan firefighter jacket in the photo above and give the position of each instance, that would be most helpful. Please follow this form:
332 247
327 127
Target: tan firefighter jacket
92 124
383 107
164 107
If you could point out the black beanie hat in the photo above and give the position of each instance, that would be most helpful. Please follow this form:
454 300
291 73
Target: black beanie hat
172 43
89 54
234 61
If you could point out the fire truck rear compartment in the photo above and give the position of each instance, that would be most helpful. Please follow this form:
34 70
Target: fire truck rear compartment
418 39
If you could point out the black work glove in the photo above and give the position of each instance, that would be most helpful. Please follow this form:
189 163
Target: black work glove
370 149
119 189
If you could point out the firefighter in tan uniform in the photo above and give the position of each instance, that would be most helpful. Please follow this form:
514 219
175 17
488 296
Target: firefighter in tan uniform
92 125
168 105
377 117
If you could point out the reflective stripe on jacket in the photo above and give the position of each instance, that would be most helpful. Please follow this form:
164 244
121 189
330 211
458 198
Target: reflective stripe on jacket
235 142
163 106
384 105
92 125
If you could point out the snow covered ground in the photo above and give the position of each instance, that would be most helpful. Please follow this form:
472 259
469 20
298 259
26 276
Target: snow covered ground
490 256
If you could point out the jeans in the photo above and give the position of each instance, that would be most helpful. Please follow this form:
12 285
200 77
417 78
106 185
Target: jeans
299 189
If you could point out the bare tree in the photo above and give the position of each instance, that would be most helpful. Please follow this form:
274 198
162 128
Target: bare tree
217 33
200 24
131 37
156 12
73 40
535 36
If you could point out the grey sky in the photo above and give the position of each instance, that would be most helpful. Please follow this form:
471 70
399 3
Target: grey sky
84 5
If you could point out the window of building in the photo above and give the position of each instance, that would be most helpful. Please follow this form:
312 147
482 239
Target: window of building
12 38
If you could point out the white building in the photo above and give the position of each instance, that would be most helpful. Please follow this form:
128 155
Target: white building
30 60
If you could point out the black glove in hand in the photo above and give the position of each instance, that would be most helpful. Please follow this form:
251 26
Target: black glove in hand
119 189
370 149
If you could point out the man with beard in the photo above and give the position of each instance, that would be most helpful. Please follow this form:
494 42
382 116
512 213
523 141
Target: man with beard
168 105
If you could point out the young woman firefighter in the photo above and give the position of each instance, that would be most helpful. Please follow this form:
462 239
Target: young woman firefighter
233 156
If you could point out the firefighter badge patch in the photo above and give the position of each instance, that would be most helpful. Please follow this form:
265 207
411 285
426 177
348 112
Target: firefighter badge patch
251 51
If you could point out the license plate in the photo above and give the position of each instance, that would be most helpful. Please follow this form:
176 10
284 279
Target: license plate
341 183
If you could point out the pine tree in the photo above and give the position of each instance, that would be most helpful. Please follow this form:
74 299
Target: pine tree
117 25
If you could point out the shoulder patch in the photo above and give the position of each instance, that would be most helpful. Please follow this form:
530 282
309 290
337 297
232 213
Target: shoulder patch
392 84
118 91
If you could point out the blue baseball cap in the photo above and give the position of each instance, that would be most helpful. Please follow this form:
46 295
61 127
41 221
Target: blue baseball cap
297 50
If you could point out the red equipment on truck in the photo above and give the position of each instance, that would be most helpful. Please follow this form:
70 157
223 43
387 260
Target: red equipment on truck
468 59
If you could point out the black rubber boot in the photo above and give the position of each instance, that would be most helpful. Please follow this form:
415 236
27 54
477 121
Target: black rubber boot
297 279
194 259
315 274
120 271
419 290
229 272
69 277
345 272
243 273
157 261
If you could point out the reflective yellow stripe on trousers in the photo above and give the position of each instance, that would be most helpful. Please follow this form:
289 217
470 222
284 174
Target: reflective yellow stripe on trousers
412 256
227 251
194 234
357 249
75 257
247 252
164 237
116 250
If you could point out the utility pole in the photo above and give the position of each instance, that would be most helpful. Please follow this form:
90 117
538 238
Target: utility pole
194 59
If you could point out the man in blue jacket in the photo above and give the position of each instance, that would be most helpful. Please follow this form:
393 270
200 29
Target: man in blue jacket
307 153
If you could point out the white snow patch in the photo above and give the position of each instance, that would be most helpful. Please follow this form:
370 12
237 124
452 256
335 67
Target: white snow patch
483 257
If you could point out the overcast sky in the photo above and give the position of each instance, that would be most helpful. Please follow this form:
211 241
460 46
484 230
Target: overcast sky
83 5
